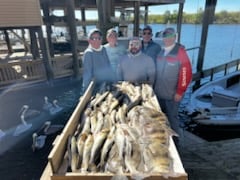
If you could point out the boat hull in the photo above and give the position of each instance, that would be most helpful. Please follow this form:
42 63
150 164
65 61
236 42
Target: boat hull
215 107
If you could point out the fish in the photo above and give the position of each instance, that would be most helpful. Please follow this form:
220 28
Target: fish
113 116
120 116
80 145
135 102
99 139
104 107
133 157
114 163
100 99
107 122
113 105
132 132
93 121
157 162
120 141
86 153
100 122
74 155
106 147
87 125
147 91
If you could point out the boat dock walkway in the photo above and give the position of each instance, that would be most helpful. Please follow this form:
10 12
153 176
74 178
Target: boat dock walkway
203 160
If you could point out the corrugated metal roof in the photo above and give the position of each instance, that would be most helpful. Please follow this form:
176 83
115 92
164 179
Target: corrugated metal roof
20 13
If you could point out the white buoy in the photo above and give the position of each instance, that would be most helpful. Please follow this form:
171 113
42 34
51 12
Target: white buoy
55 108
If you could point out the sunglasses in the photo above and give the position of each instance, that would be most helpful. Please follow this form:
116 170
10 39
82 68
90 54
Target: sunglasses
147 33
96 38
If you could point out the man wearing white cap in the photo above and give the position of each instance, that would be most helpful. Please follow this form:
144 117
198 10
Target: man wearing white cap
114 50
136 66
96 65
173 75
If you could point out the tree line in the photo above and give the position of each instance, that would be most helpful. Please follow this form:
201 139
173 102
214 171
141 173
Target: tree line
223 17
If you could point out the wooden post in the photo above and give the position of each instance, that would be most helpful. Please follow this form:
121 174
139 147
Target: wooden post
24 40
45 54
45 9
9 46
207 19
33 44
136 18
179 21
73 34
84 20
146 15
104 13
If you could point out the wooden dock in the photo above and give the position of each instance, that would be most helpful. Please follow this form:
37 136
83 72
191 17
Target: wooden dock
204 160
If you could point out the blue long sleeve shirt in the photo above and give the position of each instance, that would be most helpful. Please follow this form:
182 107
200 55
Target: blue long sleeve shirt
96 67
151 49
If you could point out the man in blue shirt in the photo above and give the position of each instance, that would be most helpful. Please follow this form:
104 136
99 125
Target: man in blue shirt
149 47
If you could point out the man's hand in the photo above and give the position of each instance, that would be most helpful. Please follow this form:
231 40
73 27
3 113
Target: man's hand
177 98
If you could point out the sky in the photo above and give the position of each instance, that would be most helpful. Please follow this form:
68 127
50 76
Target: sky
191 6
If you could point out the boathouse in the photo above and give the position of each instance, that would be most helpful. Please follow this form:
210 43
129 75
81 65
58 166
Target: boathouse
29 17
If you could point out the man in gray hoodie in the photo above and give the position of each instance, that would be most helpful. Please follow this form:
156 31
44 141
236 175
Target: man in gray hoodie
136 66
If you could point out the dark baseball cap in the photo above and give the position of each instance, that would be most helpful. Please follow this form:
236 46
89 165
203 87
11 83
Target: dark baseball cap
147 27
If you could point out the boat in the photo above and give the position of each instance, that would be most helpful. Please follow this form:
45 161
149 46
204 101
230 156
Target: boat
216 104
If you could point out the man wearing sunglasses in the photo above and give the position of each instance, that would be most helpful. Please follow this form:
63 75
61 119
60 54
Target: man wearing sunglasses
149 47
96 65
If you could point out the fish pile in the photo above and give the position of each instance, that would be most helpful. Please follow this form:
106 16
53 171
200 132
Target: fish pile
122 130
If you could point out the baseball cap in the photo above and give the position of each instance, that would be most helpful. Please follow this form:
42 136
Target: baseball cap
92 31
112 31
168 33
135 42
147 27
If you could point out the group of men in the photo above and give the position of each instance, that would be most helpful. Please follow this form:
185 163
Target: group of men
166 68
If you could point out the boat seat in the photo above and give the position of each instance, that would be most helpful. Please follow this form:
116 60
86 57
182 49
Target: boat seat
225 98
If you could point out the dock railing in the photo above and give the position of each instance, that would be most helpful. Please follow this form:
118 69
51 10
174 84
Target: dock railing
16 71
211 73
